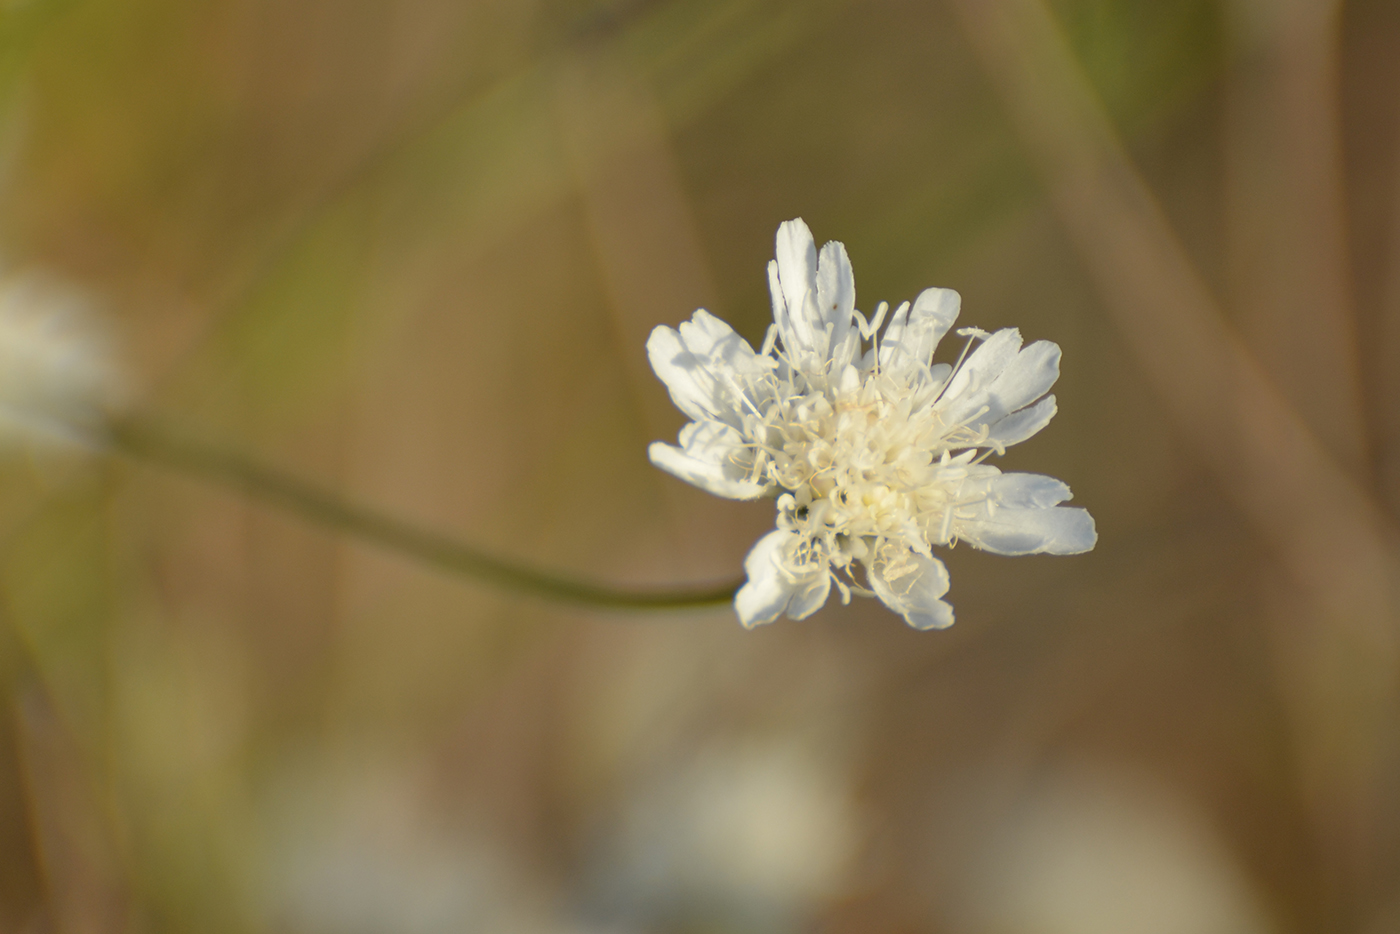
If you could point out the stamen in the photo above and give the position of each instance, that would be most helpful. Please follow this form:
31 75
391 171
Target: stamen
744 397
769 339
862 327
845 591
879 318
874 336
946 531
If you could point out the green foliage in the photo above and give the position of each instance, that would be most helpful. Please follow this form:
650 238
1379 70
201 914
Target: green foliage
1145 59
288 344
55 573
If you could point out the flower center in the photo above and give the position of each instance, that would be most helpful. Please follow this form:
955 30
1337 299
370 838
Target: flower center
867 464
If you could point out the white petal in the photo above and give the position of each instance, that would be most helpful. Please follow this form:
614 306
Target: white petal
986 362
968 399
768 590
691 387
1074 533
813 299
938 375
711 457
1077 533
939 309
935 614
845 350
1017 427
1028 376
702 364
796 253
915 595
1019 515
1059 530
794 273
895 353
913 333
1027 491
775 292
836 291
997 382
810 597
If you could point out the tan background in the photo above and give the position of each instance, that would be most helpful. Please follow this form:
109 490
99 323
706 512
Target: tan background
412 249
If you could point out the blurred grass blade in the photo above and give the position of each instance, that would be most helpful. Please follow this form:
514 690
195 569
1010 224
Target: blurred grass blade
1286 218
1333 540
1332 537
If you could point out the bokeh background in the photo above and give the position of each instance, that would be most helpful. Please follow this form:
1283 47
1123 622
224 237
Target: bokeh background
411 249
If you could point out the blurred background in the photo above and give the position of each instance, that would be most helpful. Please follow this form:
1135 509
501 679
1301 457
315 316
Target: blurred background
411 249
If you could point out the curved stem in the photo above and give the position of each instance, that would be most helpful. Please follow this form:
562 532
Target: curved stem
143 440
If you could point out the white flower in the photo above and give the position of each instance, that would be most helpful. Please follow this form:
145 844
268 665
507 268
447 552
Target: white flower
747 830
57 376
875 454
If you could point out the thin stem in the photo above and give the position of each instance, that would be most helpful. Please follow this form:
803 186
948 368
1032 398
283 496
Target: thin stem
145 441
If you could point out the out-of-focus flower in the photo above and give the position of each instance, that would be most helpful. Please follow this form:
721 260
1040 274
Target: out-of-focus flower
874 454
1103 852
358 851
58 378
737 837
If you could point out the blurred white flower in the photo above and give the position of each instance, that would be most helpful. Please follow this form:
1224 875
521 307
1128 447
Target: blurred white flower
736 837
58 376
874 454
1104 852
362 849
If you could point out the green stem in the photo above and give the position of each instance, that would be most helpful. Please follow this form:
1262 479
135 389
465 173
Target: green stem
145 441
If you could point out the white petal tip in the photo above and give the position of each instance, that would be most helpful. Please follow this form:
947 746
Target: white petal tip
752 623
926 621
1083 537
930 614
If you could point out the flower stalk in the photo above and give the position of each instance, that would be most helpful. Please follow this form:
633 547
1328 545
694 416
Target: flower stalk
144 440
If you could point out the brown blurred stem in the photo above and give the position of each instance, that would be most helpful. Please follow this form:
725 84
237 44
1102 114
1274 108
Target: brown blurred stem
143 440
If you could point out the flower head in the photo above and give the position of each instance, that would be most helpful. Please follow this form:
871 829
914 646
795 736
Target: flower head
874 453
58 380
